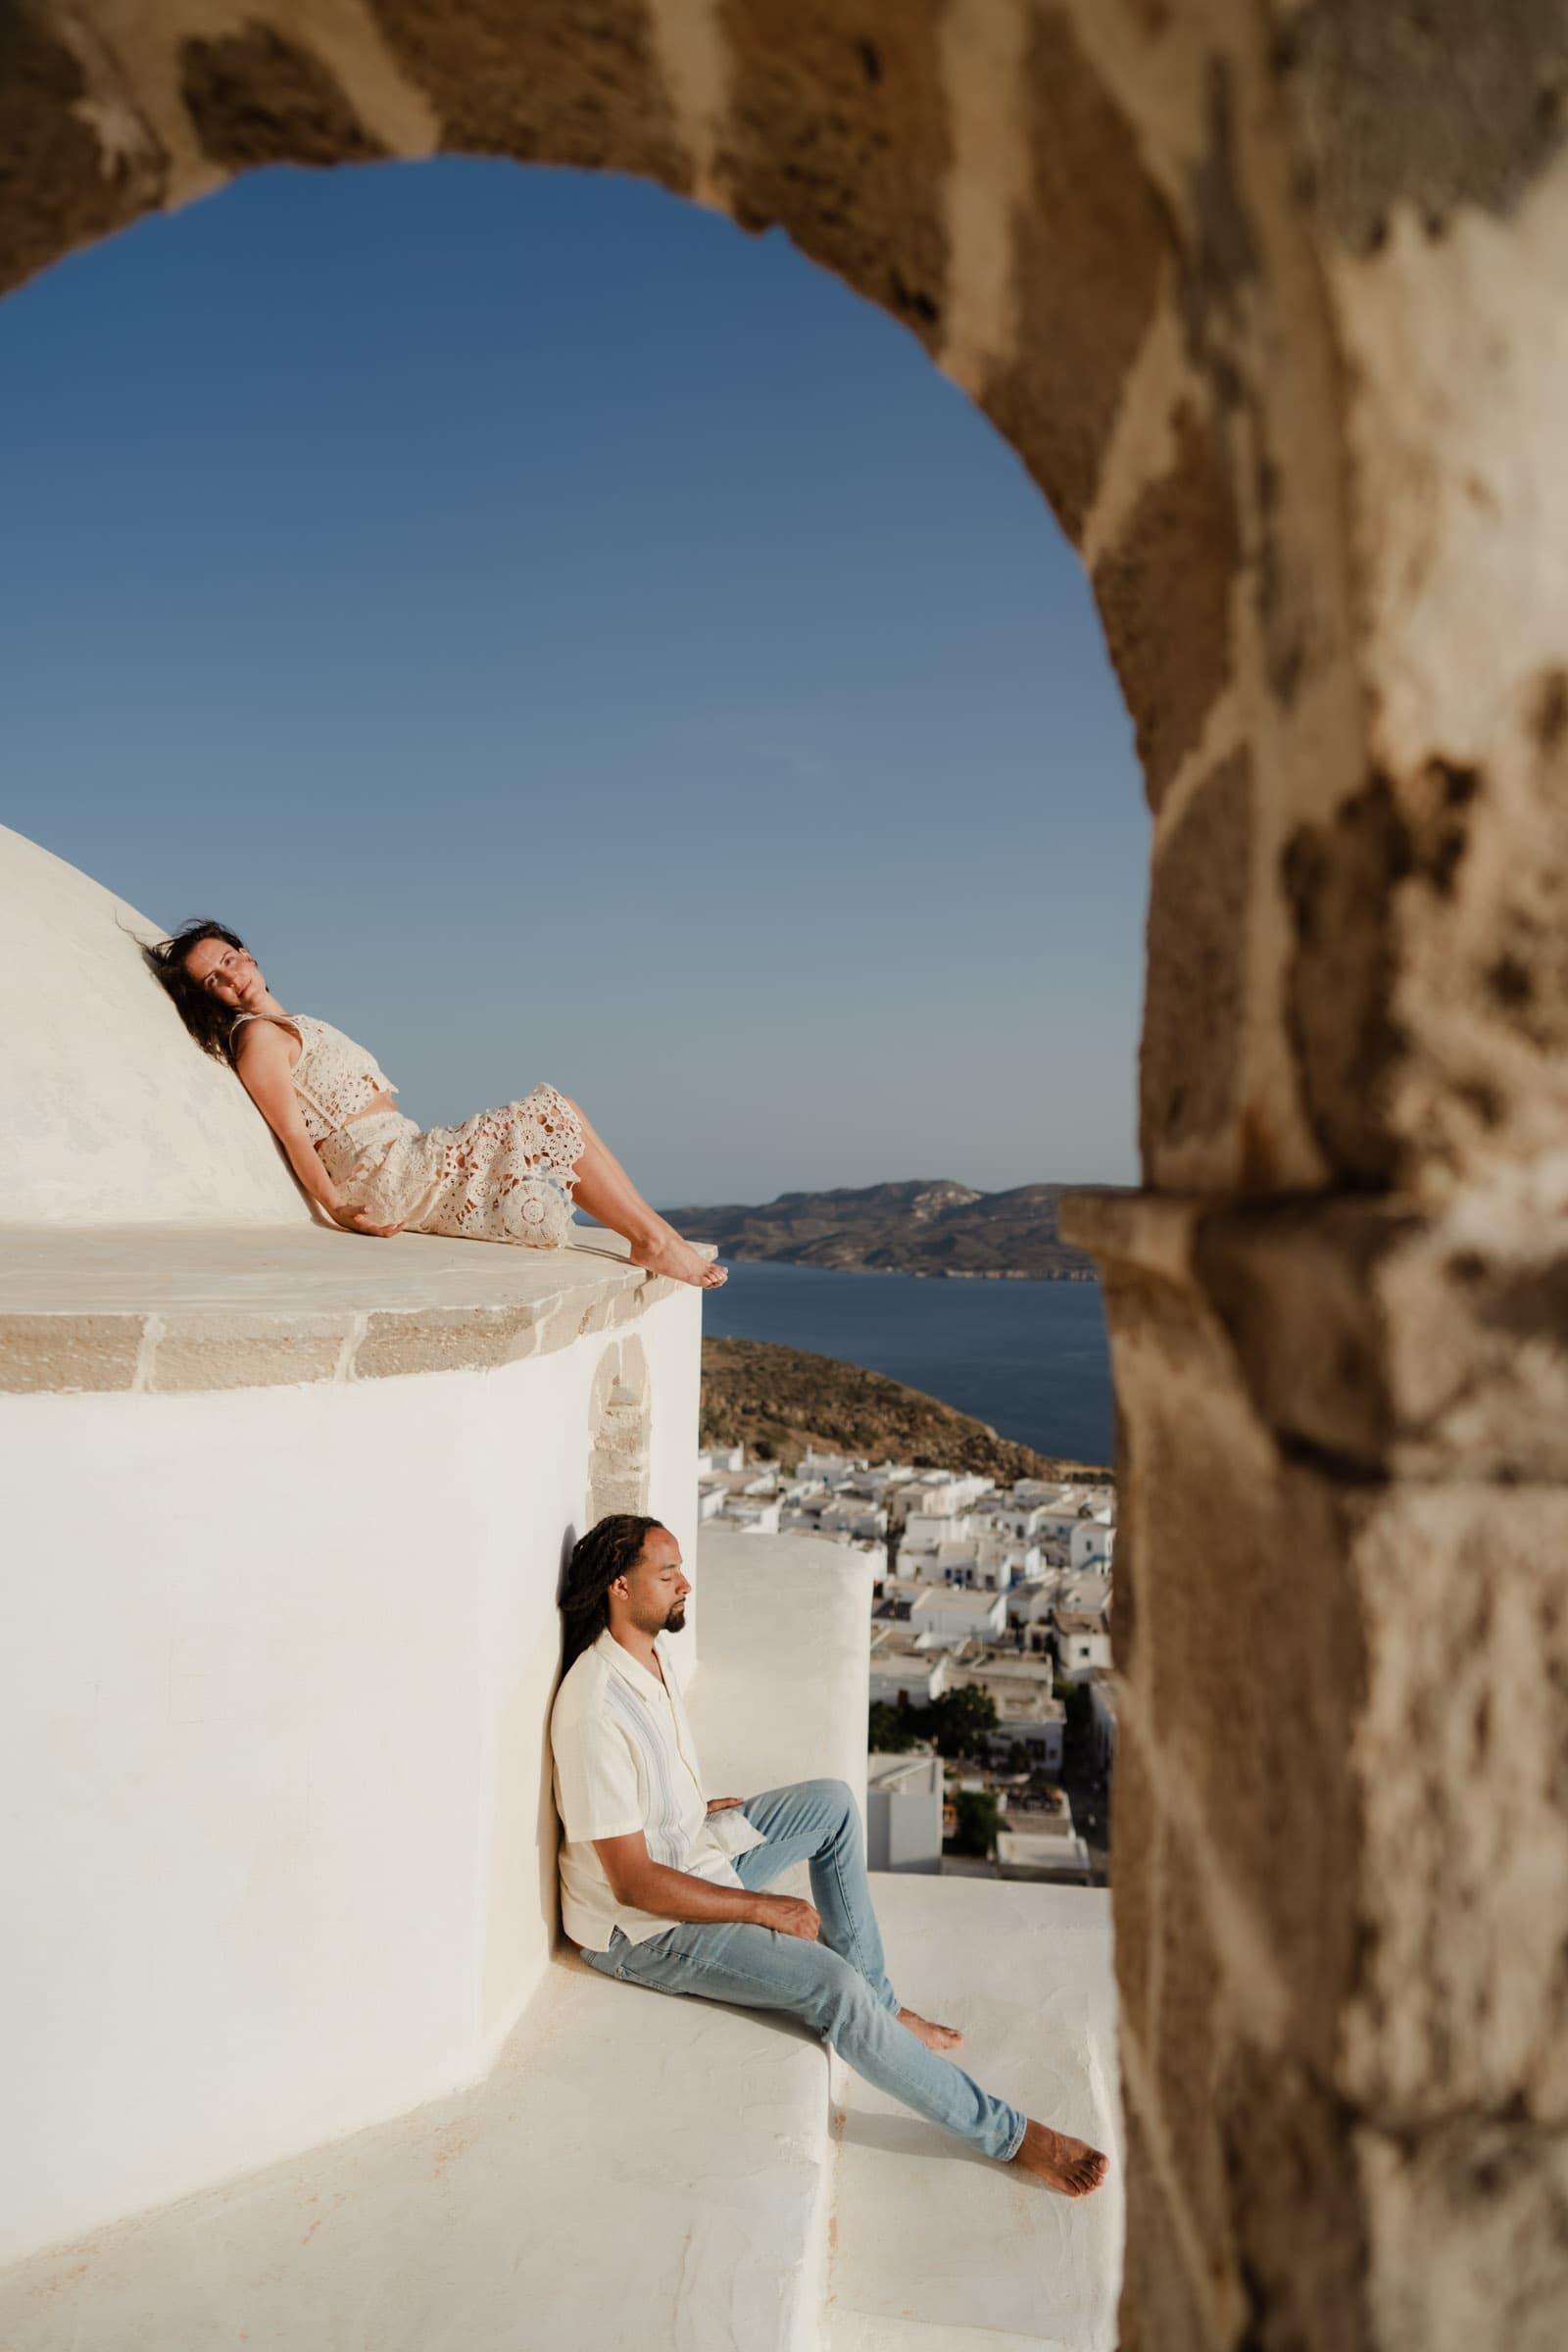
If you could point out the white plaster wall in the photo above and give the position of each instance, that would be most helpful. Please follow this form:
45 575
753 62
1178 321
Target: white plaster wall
110 1113
276 1680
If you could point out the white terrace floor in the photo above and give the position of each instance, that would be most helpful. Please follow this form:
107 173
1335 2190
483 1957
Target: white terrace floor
675 2175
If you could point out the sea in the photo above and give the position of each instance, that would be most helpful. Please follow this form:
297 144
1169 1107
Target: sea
1030 1357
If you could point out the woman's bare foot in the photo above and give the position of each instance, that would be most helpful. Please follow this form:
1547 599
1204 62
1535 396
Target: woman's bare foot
665 1252
1072 2167
935 2038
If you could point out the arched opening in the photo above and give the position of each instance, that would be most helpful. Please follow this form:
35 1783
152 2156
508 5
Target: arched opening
1148 248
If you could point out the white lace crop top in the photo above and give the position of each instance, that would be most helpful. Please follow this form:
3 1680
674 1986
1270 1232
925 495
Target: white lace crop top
333 1077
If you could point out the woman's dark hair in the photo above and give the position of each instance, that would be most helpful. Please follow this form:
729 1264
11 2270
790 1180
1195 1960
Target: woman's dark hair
604 1552
210 1023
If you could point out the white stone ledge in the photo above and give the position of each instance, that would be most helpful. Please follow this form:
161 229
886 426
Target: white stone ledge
171 1308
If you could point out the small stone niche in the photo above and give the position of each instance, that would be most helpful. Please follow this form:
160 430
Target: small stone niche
618 1423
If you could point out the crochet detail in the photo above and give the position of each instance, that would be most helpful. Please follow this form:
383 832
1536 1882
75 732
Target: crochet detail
503 1175
333 1077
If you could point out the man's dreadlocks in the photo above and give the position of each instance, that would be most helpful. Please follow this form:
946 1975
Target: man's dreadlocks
604 1552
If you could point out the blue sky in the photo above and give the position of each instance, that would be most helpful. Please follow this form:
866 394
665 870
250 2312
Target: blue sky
572 639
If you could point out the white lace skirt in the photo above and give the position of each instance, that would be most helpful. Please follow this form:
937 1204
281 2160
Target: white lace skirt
503 1176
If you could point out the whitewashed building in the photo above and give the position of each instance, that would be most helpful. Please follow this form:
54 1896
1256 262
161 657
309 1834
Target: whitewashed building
753 1514
903 1812
906 1670
1083 1642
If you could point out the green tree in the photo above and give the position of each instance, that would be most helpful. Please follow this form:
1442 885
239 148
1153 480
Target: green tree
891 1730
977 1817
961 1720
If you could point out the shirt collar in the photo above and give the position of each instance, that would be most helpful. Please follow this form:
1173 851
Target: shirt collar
632 1670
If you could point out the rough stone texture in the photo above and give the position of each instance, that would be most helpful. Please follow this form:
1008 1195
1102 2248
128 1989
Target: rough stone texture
1091 247
445 1338
1162 2310
1184 2058
1197 927
243 1351
1352 1811
1469 2236
1251 1646
1418 1344
1430 1344
1137 1830
1164 597
1430 104
1341 879
838 133
255 98
68 1351
1461 1758
1428 988
560 82
1295 2208
1479 924
55 191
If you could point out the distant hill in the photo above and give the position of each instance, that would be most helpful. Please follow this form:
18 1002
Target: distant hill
915 1228
782 1400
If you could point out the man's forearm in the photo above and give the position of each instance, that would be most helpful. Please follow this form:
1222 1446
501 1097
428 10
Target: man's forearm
676 1894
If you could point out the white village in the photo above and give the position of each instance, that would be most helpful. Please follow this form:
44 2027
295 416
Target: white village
1000 1592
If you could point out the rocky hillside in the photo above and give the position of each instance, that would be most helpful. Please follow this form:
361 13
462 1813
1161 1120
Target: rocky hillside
915 1228
783 1400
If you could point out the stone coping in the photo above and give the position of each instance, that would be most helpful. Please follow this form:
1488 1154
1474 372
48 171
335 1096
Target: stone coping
169 1308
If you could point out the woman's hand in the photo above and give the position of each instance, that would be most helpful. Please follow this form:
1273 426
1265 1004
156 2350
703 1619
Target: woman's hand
359 1220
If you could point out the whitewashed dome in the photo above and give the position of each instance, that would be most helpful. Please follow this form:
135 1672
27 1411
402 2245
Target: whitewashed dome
110 1113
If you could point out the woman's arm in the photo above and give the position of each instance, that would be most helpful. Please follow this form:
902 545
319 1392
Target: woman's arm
266 1073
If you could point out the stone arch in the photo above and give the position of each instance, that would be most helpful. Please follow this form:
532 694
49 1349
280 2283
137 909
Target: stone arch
1265 299
620 1427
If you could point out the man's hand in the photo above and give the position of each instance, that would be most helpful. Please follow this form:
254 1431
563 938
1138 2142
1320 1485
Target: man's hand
789 1917
723 1804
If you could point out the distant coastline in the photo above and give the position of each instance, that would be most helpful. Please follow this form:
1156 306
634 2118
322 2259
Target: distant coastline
934 1228
1029 1358
780 1401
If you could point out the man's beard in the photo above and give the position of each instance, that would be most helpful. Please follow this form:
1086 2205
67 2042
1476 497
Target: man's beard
675 1622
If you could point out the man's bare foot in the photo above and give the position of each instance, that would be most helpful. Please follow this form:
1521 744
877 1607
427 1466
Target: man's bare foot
1072 2167
665 1252
935 2038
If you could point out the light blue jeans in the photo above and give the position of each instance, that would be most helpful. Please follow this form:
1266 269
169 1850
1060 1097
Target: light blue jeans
838 1986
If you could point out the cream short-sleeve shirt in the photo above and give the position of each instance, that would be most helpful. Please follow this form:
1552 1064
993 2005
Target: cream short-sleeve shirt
625 1760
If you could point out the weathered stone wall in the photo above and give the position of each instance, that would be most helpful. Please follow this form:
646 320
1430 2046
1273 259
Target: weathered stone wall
1268 299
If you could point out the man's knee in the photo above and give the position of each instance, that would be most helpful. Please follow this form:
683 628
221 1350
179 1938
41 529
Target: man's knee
836 1798
839 1998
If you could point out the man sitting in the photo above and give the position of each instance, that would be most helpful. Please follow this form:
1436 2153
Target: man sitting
644 1847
